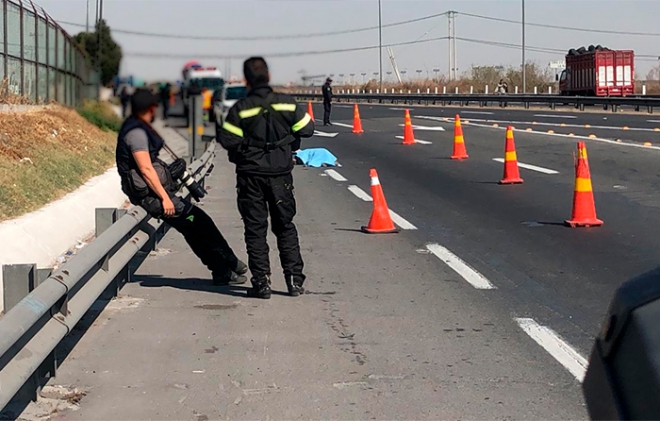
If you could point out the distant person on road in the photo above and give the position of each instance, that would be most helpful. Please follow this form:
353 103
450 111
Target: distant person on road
124 98
502 87
260 133
164 93
147 181
327 101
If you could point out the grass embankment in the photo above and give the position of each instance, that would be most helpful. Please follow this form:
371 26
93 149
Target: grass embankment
47 153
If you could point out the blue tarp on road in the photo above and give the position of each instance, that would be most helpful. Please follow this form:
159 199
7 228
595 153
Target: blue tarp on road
317 157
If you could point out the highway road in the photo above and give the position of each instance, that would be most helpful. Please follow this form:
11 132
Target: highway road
562 278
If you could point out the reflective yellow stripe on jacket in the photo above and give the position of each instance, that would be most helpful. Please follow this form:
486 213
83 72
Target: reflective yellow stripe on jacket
235 130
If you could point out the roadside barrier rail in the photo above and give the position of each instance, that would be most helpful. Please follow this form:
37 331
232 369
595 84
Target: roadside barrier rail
32 328
483 100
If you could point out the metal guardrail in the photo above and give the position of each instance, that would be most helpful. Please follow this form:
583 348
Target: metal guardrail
483 100
31 330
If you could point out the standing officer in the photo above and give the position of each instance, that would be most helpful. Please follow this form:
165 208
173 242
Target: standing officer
147 182
327 102
260 133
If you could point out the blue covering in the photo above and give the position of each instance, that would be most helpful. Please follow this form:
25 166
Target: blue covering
317 157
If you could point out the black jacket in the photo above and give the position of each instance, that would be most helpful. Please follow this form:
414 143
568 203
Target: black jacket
327 92
248 133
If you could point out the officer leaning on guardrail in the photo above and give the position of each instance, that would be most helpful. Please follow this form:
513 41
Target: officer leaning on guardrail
150 183
260 133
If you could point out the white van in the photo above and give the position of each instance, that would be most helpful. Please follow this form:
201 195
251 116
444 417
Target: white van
226 99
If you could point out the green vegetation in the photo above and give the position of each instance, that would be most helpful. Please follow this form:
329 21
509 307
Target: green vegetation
110 52
101 115
48 153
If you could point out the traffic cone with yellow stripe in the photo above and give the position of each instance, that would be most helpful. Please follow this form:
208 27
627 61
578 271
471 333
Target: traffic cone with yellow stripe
511 170
408 135
459 142
381 220
584 207
357 122
310 110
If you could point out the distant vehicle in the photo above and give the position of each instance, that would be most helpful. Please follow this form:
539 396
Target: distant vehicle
224 99
207 78
598 71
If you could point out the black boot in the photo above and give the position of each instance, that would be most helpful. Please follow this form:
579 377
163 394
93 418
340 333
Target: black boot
260 288
295 284
229 278
241 268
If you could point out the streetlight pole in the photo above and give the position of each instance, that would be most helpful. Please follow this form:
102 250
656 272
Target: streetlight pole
87 18
380 46
524 70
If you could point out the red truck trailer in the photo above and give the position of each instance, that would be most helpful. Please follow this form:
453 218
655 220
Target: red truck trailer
598 72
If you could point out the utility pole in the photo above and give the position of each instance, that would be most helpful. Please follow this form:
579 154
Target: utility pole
524 70
87 18
453 35
380 46
98 42
450 45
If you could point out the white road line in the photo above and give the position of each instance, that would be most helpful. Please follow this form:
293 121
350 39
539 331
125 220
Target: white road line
396 218
324 134
335 175
476 279
400 221
350 126
420 141
429 128
561 351
361 194
530 167
554 116
653 121
477 112
398 109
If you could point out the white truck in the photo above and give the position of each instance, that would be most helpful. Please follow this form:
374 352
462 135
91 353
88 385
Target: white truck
224 99
206 78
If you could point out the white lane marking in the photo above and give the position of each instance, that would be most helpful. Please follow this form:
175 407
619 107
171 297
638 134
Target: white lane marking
653 121
350 126
400 221
554 116
361 194
429 128
530 167
477 112
396 218
420 141
561 351
343 106
324 134
398 109
335 175
475 278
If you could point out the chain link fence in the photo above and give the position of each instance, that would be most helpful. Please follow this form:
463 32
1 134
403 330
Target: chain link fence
39 61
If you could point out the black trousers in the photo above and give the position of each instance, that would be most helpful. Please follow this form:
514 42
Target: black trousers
327 108
205 239
259 196
124 108
166 109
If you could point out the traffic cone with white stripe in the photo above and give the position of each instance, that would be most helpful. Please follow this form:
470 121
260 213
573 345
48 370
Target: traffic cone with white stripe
584 207
459 143
511 170
310 110
408 135
381 221
357 122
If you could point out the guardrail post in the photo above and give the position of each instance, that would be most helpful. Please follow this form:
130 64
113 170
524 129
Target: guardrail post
428 90
444 90
471 90
516 90
18 281
536 90
614 108
643 89
105 217
456 90
436 90
649 109
487 90
550 90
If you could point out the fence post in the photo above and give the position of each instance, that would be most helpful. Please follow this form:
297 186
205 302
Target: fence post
436 90
536 90
516 90
105 217
486 91
444 89
643 89
550 90
471 90
401 91
457 89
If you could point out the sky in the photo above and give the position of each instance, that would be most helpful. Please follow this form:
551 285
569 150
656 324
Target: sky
272 18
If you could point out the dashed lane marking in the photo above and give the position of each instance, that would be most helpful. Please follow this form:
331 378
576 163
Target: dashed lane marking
335 175
396 218
471 275
477 112
560 350
555 116
429 128
420 141
530 167
350 126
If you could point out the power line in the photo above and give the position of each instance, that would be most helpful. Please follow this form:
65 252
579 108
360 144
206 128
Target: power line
513 46
179 56
264 37
566 28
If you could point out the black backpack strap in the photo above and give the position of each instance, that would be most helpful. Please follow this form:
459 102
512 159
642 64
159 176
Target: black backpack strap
266 106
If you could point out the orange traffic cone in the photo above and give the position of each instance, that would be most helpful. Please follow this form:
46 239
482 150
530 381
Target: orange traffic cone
408 136
310 110
584 207
357 123
381 221
171 100
459 142
511 171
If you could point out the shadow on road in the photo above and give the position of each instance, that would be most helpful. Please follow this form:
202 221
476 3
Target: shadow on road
195 284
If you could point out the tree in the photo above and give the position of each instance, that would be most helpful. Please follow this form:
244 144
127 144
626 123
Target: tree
110 51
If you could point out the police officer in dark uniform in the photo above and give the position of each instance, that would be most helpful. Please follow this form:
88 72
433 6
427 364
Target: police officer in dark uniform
327 102
147 181
260 133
